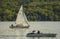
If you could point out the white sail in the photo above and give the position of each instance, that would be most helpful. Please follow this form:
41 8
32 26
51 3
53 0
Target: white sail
21 18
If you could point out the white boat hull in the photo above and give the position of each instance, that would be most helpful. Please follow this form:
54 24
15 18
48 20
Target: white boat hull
19 26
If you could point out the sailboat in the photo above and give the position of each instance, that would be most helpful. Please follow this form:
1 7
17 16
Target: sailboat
21 21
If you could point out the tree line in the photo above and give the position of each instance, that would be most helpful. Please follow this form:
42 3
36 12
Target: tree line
35 10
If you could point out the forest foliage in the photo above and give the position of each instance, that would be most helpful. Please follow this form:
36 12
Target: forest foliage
35 10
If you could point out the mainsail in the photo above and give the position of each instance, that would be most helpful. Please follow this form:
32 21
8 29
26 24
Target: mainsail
21 18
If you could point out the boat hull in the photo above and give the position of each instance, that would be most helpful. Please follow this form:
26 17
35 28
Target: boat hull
19 26
41 35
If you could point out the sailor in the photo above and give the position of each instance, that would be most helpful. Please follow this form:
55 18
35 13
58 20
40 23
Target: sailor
38 32
11 24
33 31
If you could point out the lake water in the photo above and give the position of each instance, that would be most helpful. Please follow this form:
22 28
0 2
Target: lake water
44 27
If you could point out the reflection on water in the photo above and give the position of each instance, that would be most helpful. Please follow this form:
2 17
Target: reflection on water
45 27
13 33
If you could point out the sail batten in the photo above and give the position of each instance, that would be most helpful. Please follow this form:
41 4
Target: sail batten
21 18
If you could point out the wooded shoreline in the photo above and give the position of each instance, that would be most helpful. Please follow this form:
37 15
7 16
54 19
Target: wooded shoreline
35 10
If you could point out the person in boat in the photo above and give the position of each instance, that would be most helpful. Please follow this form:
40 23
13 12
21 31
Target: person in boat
38 32
33 32
11 24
